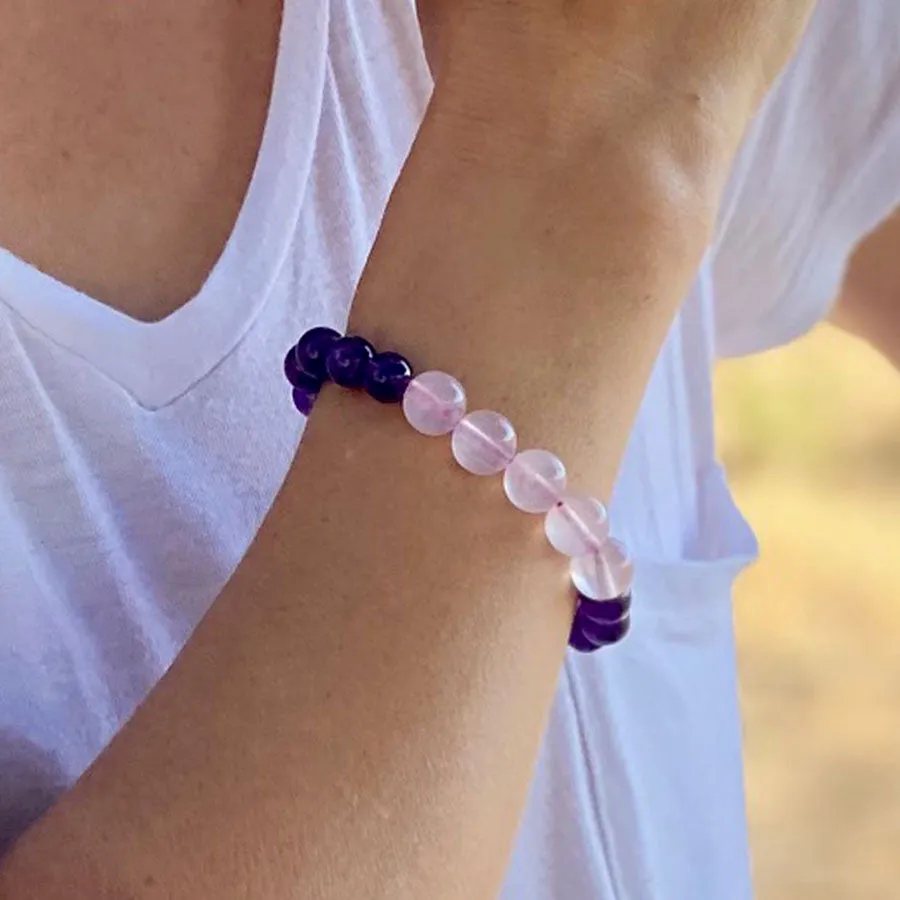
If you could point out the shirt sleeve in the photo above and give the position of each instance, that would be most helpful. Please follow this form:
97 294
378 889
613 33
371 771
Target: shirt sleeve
818 170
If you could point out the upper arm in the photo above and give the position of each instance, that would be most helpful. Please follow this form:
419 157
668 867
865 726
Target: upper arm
869 303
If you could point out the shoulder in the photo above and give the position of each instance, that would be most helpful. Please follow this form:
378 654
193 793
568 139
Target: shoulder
817 171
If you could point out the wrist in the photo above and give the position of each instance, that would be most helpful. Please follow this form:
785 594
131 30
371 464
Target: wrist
582 158
546 98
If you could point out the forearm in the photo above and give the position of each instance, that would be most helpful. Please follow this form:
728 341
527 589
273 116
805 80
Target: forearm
869 304
359 713
878 324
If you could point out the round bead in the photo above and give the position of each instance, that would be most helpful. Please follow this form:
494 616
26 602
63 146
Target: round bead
534 481
347 361
291 369
484 442
578 640
604 610
586 635
601 634
387 377
304 399
604 575
434 403
296 376
577 525
312 350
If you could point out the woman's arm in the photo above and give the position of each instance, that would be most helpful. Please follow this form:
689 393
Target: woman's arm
869 305
359 713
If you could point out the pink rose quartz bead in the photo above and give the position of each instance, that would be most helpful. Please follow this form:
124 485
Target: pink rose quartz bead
484 442
577 525
534 481
605 575
434 403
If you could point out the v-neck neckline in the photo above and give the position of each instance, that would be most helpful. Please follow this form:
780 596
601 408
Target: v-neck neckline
156 362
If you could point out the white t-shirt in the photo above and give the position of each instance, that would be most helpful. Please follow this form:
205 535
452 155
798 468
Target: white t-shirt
138 460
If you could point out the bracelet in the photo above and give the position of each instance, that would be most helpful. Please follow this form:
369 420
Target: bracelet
484 442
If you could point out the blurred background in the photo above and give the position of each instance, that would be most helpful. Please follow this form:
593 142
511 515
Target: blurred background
810 436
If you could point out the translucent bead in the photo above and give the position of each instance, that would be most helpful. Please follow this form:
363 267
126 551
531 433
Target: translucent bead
604 575
577 525
534 481
484 442
434 403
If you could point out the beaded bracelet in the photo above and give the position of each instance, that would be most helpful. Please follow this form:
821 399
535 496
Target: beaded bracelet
484 443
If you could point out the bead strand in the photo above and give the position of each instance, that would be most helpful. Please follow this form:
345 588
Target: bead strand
484 443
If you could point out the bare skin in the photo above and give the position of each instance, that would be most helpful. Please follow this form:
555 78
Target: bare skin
869 305
310 743
127 139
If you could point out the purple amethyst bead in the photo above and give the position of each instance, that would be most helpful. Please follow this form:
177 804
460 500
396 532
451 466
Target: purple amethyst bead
347 361
312 350
387 377
600 634
578 641
296 376
604 610
599 623
304 399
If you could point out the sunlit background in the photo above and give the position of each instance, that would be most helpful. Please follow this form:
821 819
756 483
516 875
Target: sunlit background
811 438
